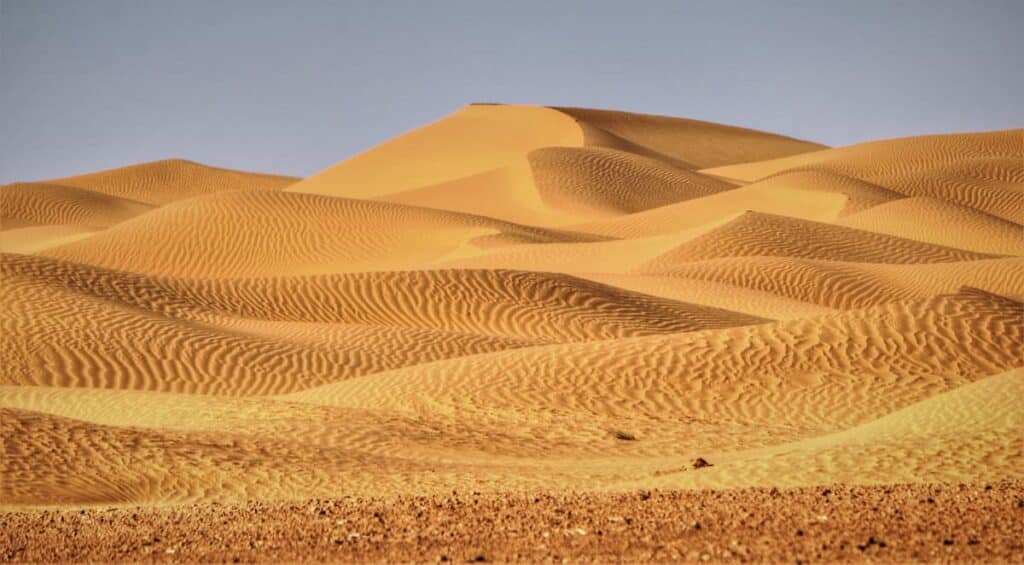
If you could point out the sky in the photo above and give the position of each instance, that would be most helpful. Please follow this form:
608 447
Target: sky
292 87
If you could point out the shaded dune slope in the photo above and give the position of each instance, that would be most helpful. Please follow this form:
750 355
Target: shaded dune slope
701 144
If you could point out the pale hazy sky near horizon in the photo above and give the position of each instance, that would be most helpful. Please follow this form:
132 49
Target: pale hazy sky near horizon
294 86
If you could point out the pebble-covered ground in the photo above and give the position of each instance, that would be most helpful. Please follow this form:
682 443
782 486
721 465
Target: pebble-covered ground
883 523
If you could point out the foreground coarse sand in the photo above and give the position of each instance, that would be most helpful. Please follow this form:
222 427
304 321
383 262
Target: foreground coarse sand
973 522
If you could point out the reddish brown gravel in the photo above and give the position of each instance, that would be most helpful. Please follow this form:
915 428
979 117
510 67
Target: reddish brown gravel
883 523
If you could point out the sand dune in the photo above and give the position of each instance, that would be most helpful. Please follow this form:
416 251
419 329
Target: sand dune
928 219
766 235
612 256
940 439
558 186
162 182
667 378
39 204
983 171
37 238
517 299
602 181
488 302
68 209
476 139
747 300
284 233
766 198
112 329
547 166
700 144
890 156
837 284
860 195
541 414
506 193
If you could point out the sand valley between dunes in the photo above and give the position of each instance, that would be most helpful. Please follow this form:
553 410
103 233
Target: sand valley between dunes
520 301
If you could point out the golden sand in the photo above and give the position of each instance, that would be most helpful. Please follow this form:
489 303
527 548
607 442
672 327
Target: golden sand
518 299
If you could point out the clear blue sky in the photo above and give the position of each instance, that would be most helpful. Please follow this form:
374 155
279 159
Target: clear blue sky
295 86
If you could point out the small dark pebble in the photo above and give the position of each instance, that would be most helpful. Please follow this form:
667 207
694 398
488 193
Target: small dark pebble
871 541
479 558
700 462
799 532
947 542
973 541
826 492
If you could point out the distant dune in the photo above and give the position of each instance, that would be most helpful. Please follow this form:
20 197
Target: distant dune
518 299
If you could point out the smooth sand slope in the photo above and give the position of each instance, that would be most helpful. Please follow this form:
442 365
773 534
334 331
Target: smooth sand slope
516 300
